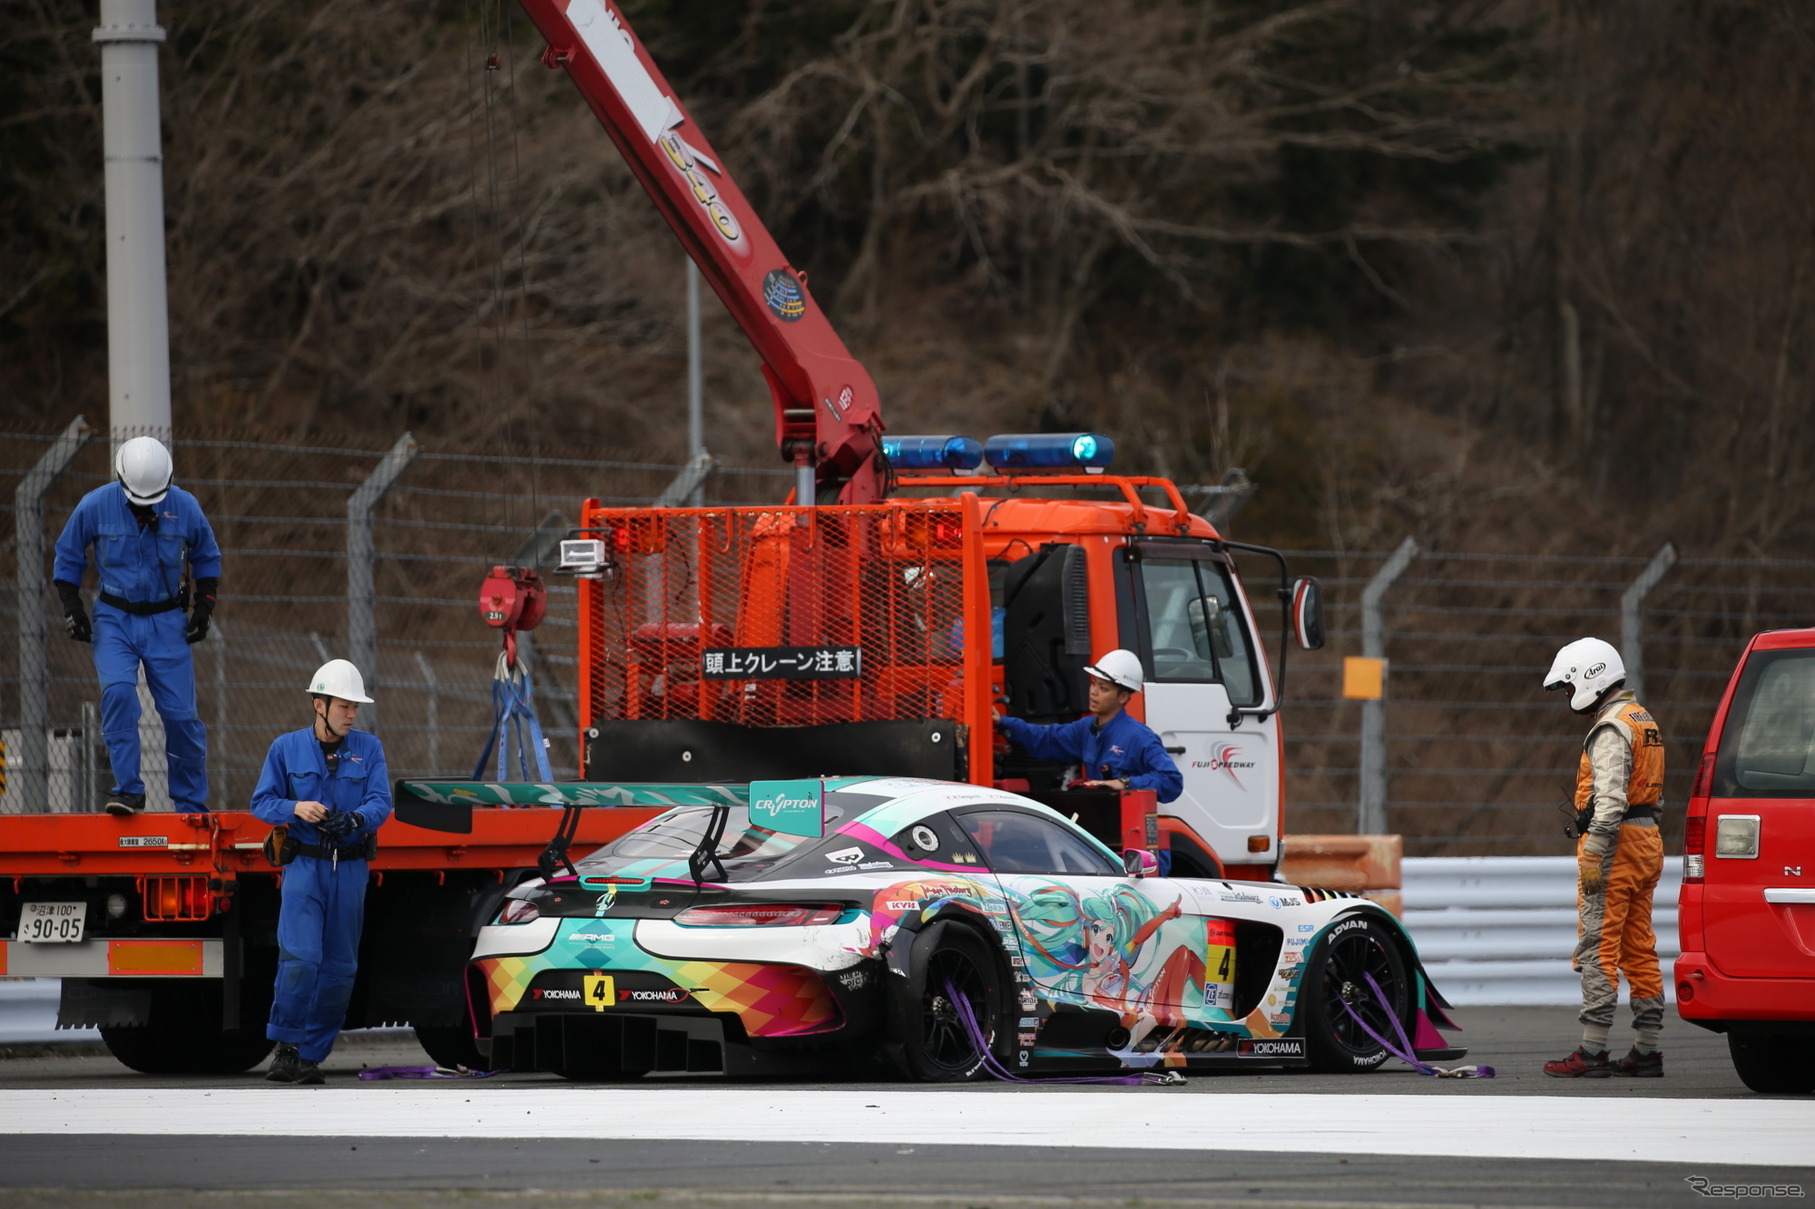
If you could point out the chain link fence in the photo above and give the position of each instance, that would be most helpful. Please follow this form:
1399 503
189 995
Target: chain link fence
1474 756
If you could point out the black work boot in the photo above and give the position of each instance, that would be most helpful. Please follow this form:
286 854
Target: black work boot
125 804
285 1065
308 1074
1641 1066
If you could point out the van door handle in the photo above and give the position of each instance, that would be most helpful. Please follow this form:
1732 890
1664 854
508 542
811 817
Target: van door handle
1175 751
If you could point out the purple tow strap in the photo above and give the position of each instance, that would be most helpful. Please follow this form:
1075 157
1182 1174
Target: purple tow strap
996 1070
1404 1051
424 1072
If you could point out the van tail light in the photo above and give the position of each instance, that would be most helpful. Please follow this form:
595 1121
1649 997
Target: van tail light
1695 822
759 915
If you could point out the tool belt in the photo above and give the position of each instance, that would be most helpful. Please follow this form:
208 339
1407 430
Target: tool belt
364 850
281 848
1577 826
144 609
1634 813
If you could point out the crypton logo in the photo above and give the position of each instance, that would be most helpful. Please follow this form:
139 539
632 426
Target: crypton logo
1227 759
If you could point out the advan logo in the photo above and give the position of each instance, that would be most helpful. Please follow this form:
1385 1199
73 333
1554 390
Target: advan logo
1228 759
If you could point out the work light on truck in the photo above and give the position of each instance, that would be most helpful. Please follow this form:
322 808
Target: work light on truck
582 556
933 453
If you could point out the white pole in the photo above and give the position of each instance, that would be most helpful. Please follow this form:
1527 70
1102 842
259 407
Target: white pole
138 320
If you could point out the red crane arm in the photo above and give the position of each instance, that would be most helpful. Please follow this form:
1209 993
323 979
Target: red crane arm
827 415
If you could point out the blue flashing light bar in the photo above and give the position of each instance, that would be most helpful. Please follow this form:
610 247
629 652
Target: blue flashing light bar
1049 451
933 453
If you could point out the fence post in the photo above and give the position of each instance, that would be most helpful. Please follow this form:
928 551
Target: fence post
1632 616
1371 817
217 741
362 627
696 417
29 772
434 713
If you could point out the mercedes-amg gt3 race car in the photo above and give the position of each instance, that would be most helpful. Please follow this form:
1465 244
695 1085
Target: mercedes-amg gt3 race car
834 925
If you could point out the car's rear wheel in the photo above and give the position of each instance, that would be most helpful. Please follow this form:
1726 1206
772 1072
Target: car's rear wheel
1773 1065
450 1045
931 1041
1336 990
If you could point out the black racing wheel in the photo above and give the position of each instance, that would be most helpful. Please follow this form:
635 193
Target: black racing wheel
929 1040
1336 991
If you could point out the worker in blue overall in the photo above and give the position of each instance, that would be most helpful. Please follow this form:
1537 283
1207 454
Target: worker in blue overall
328 784
1112 750
143 529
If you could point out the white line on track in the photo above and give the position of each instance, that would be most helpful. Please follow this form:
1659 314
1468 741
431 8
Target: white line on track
1766 1132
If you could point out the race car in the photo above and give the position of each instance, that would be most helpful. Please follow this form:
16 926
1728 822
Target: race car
933 930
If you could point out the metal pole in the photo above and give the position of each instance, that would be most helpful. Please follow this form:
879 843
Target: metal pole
434 713
28 771
696 417
217 743
138 320
1371 818
362 626
1632 616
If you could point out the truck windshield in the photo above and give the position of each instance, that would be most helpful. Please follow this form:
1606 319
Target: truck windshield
1195 628
1767 749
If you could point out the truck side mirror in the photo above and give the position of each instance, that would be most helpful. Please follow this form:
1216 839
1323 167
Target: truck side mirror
1307 613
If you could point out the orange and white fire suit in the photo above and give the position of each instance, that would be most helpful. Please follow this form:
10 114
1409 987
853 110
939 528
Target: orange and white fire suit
1621 776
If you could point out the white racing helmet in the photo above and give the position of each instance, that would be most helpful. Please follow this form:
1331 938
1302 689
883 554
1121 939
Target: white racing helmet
339 678
1588 667
143 467
1121 668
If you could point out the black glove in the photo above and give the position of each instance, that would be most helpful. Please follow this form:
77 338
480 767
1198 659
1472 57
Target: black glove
339 825
203 610
75 617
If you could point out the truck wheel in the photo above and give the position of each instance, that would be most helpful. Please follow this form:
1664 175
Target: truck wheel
450 1045
1355 947
183 1036
1773 1065
930 1040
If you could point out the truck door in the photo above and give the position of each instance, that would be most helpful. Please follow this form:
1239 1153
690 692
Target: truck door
1195 637
1758 896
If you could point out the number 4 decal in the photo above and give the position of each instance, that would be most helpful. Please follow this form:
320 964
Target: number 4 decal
600 990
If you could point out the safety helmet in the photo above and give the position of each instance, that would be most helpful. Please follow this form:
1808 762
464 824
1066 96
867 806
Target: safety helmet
143 467
1588 667
339 678
1121 668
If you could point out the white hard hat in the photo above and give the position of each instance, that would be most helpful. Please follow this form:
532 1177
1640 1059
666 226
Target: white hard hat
1121 668
1588 667
339 678
143 467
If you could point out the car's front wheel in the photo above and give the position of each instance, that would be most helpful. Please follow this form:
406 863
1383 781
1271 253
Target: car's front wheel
1356 977
931 1041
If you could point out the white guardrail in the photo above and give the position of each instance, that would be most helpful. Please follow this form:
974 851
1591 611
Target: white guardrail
1499 930
1491 930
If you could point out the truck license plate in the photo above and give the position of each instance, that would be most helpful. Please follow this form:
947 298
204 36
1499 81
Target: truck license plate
52 923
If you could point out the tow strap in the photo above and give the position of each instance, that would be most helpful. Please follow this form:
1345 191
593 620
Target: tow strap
424 1072
996 1070
1404 1051
514 725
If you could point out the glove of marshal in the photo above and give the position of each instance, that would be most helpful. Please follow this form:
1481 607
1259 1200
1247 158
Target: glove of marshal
339 825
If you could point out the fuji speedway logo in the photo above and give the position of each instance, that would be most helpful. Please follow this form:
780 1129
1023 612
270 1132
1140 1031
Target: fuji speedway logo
1228 759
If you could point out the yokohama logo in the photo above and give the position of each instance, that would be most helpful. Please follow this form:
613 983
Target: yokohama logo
1270 1047
673 995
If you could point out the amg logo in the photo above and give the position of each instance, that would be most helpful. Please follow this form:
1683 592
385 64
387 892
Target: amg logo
1270 1047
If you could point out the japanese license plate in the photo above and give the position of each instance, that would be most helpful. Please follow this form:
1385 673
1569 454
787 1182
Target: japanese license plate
52 923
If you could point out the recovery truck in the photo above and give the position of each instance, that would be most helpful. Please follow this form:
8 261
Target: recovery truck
868 625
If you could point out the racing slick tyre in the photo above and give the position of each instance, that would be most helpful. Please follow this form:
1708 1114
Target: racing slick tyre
183 1036
929 1040
1335 991
450 1046
1773 1065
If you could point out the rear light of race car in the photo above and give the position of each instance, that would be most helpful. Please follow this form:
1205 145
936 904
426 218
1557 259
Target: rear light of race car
759 915
518 911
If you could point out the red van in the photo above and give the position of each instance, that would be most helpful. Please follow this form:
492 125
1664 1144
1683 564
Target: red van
1747 907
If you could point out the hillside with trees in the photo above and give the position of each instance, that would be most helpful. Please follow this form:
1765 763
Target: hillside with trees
1501 274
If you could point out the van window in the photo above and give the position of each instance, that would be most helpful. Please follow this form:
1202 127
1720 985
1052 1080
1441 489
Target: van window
1195 629
1767 749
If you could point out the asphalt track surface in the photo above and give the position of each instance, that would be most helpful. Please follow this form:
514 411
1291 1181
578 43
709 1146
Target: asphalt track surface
80 1130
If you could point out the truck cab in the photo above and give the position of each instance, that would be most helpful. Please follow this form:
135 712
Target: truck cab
1747 903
